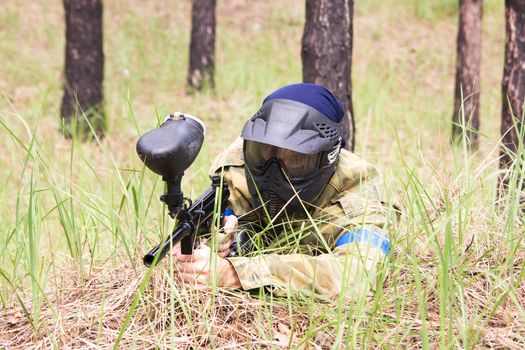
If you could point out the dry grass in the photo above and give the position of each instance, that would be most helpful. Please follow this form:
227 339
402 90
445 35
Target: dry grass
85 313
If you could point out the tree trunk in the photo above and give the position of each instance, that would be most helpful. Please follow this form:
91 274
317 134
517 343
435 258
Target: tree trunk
465 118
327 53
202 45
513 85
84 67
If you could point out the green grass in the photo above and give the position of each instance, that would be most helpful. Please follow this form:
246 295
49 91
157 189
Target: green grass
75 218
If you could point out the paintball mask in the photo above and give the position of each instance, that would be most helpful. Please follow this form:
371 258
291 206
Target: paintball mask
290 152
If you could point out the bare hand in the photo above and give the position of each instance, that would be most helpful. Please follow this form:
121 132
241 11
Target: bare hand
197 268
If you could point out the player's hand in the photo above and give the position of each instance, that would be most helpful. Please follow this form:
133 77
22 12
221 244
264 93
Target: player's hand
225 238
196 268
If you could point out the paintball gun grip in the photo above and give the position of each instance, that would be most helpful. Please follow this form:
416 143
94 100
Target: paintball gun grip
193 221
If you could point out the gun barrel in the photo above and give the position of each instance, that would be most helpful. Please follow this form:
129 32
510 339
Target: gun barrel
184 229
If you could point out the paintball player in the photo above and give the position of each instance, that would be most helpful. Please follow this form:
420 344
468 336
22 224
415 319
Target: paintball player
289 171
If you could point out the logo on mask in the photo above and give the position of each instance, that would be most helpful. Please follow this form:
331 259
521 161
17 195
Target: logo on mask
332 156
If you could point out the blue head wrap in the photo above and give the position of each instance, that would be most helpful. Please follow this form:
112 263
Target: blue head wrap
315 96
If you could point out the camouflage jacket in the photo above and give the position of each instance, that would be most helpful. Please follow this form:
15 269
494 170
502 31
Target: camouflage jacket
347 231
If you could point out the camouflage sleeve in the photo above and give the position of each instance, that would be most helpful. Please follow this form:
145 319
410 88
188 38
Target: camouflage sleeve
354 225
350 270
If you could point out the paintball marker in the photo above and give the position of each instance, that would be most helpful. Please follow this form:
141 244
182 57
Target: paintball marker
168 151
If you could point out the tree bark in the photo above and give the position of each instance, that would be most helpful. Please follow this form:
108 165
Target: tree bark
202 45
465 118
513 85
327 53
84 67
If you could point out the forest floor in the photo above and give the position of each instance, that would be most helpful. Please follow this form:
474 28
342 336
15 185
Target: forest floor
76 218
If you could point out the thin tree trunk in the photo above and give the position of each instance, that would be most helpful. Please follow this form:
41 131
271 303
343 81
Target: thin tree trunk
513 84
468 67
202 45
327 53
84 67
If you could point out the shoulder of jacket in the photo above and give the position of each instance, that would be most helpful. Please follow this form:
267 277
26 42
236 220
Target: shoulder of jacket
231 156
351 170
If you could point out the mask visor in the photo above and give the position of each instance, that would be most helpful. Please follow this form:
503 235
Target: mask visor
294 164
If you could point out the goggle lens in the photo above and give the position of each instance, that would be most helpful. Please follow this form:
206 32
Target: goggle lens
295 164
